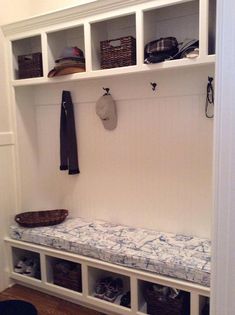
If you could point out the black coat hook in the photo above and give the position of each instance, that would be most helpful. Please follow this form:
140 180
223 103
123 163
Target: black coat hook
107 91
209 107
154 85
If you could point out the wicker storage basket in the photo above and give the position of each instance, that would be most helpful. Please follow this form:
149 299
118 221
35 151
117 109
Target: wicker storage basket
67 274
118 52
159 305
41 218
30 66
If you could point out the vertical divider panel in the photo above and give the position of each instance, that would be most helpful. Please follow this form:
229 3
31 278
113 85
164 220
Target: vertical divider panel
85 281
87 43
43 267
203 27
134 294
8 267
11 60
194 303
9 262
44 44
139 37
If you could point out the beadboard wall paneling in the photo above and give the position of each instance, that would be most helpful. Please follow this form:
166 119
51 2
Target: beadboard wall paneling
154 170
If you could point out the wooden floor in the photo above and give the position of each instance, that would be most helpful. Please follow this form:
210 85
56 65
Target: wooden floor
45 304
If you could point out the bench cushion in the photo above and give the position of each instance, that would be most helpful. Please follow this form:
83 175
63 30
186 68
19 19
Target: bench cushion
178 256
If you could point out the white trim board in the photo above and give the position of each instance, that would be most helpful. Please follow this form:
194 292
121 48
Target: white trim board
6 138
223 276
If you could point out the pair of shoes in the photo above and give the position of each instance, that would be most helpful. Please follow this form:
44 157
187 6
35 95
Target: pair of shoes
108 288
126 299
27 267
114 289
101 287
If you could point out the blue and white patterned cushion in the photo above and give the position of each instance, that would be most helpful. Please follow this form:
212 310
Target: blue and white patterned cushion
178 256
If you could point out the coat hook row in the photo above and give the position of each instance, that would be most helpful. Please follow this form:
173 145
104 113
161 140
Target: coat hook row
153 84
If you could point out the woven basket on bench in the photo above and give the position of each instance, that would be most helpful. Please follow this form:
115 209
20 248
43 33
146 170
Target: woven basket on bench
67 274
159 305
41 218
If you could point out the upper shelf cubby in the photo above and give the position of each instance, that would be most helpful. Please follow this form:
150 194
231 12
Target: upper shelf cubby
111 29
180 21
101 34
59 41
25 53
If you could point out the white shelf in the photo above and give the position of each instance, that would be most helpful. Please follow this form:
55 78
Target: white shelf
107 30
166 65
145 22
180 20
109 306
25 46
26 279
60 39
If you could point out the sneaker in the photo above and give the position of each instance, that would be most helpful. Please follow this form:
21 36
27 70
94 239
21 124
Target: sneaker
114 289
31 268
101 287
20 265
126 299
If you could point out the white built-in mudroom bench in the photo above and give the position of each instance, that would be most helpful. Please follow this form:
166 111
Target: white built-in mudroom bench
140 208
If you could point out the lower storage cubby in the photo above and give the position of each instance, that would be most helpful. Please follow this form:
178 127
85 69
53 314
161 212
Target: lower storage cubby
204 305
109 286
155 299
26 263
64 273
105 287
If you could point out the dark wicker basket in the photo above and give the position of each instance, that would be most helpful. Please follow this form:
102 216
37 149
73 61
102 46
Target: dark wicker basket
30 66
67 274
41 218
159 305
118 52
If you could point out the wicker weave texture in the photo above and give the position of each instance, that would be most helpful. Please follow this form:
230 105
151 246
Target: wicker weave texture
30 65
41 218
119 52
159 305
67 275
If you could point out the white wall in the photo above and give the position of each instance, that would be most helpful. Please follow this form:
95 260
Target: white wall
46 6
154 168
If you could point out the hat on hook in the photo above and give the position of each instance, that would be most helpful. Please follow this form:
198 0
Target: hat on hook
106 110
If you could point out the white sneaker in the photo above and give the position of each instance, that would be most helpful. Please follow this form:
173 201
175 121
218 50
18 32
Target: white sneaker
20 266
31 268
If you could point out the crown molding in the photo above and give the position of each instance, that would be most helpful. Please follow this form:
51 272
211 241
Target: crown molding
67 14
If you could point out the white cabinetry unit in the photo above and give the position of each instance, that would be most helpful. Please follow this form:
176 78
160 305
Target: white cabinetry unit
85 26
145 21
92 271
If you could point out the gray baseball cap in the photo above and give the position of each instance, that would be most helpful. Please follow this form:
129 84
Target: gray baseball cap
106 110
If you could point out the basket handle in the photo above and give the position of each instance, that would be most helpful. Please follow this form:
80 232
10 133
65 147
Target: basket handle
115 43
